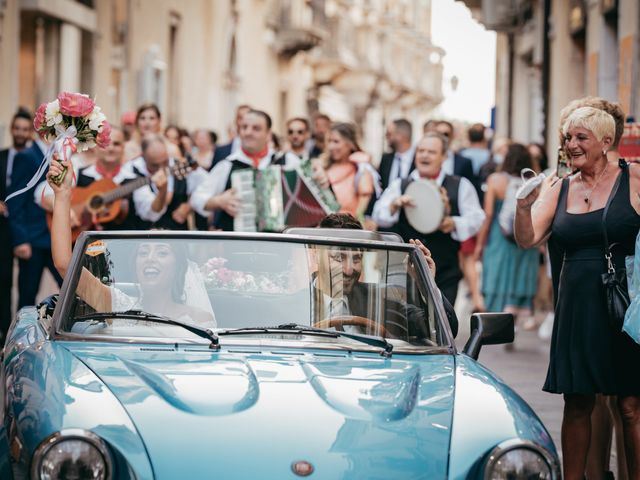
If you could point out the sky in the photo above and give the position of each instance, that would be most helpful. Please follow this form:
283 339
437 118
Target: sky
470 56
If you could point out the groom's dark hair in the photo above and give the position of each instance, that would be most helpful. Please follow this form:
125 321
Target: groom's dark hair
340 220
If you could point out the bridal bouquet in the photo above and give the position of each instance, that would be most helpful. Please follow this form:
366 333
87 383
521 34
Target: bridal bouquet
73 122
70 123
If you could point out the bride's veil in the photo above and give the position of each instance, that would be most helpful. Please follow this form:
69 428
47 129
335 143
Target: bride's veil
195 291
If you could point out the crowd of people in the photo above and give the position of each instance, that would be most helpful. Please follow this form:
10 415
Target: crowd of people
188 185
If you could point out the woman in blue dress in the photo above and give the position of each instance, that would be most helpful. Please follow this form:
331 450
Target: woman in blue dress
509 273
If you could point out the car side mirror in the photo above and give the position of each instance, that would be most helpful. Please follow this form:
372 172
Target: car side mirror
489 329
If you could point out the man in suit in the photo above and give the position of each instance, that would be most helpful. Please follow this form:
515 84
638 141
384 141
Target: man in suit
223 151
30 235
398 163
454 164
346 265
21 135
321 127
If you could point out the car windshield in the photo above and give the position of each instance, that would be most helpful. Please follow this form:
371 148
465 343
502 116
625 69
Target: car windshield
224 284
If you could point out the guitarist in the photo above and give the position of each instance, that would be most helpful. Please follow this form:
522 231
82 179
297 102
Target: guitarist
164 203
108 165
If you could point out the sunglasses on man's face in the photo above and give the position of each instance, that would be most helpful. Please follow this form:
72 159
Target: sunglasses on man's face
296 132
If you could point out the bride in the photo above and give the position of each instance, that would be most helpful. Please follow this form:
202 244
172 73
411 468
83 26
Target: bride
160 267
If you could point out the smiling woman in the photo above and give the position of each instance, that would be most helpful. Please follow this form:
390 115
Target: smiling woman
589 353
160 267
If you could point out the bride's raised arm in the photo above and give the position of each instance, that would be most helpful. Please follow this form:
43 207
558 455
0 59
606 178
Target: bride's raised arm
90 289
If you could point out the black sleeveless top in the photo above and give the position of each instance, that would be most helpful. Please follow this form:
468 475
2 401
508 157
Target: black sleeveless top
575 232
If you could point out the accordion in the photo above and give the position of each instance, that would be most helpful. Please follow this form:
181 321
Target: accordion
274 199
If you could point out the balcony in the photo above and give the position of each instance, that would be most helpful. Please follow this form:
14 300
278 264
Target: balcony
291 40
294 27
499 15
370 56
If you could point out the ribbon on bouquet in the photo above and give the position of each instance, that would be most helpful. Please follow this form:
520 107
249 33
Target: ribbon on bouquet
65 139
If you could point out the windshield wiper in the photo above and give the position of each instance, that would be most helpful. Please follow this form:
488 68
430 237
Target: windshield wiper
307 330
205 333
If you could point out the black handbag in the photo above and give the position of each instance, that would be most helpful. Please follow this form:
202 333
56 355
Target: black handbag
614 280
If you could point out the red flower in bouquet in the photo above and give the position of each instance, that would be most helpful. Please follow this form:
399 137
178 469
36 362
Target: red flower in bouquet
104 137
39 118
75 104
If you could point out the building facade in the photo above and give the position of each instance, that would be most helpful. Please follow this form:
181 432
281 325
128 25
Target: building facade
363 60
550 52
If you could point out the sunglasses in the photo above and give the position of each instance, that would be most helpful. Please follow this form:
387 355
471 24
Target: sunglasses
296 132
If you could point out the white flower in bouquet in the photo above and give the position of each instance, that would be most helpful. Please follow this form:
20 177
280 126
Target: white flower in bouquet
96 118
52 114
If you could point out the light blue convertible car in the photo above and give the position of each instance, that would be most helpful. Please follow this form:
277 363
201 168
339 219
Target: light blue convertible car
325 354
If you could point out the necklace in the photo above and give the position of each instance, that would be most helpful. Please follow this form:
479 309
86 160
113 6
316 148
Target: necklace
587 197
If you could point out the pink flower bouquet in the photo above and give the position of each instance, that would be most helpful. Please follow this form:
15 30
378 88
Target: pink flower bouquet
72 122
217 276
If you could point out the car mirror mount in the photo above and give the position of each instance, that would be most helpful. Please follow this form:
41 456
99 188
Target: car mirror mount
489 329
46 307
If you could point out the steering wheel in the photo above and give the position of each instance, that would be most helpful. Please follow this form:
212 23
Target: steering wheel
341 320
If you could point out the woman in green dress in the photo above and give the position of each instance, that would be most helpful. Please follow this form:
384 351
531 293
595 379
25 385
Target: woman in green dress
509 273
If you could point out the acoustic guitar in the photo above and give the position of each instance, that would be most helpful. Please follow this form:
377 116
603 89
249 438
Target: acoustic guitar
101 201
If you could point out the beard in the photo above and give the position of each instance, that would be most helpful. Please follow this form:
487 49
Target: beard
349 281
20 143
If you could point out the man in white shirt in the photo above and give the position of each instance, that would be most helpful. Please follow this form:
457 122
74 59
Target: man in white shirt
164 203
462 220
215 194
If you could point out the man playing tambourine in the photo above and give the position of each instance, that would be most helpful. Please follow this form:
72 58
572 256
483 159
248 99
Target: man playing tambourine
462 218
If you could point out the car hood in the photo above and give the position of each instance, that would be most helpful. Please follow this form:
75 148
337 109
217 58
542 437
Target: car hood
233 414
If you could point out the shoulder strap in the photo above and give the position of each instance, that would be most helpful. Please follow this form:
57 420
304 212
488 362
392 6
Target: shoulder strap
603 224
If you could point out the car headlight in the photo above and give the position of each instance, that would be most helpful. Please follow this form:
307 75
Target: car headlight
72 453
521 460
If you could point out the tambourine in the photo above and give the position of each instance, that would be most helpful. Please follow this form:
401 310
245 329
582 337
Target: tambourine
428 213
